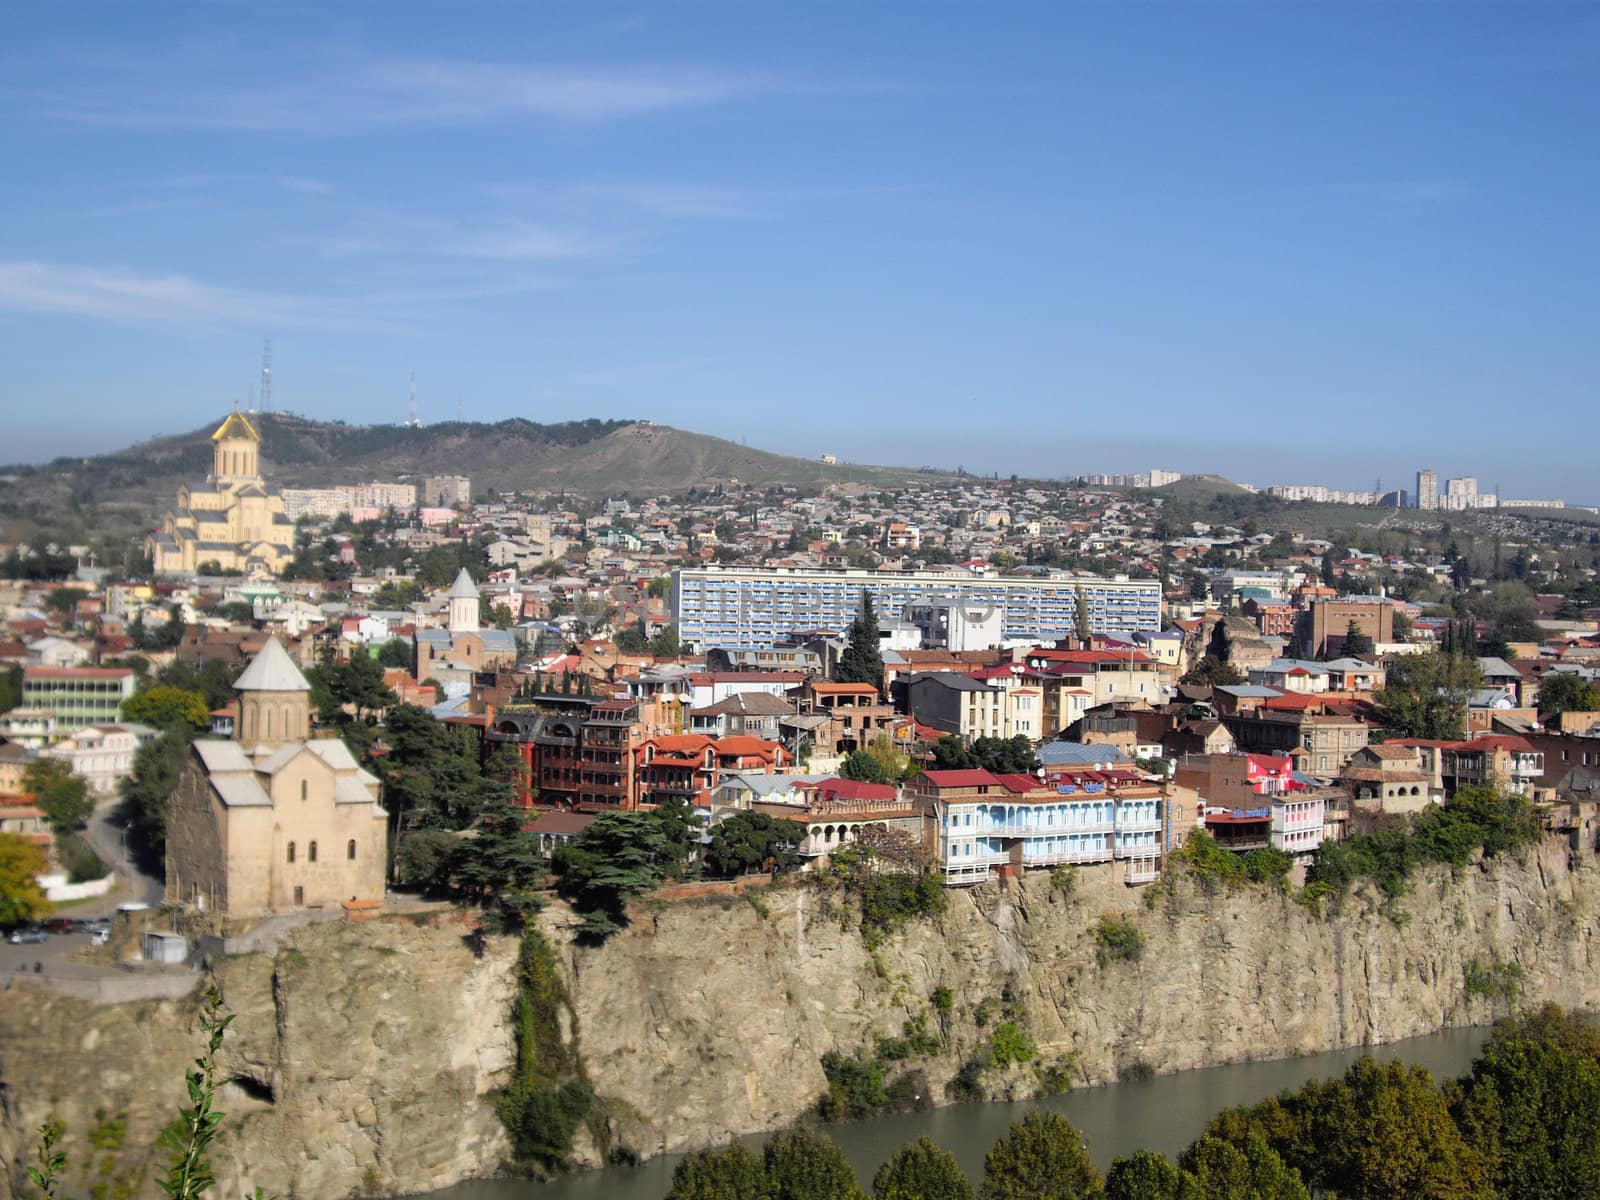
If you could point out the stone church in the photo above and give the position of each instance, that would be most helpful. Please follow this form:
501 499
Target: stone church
232 519
273 820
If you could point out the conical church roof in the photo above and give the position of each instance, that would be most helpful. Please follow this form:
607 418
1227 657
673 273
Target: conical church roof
272 670
236 427
463 587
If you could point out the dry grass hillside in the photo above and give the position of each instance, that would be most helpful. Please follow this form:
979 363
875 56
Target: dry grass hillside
591 457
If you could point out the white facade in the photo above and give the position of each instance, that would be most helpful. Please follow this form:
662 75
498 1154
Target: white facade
102 755
1297 822
735 606
953 624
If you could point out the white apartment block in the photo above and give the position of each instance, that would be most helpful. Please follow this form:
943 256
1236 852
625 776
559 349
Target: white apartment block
738 606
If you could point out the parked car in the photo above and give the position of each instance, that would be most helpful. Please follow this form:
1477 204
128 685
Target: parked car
59 925
28 937
100 937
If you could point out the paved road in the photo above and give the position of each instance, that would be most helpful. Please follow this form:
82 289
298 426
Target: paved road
107 835
53 955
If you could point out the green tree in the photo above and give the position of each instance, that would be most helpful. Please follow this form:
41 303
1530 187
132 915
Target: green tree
862 660
425 859
1213 1169
62 796
665 644
359 684
164 706
616 858
750 841
1531 1106
921 1170
1425 695
501 866
63 601
10 688
21 864
863 766
1213 672
1356 642
145 792
727 1173
630 639
1563 691
1081 614
950 753
395 654
1144 1176
802 1165
1042 1158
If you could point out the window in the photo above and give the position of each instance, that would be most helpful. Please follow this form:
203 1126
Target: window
311 852
305 789
291 851
299 897
350 849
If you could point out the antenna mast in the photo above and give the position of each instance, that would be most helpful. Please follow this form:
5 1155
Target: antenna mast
266 375
411 407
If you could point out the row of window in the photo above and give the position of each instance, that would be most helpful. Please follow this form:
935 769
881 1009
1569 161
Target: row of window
311 851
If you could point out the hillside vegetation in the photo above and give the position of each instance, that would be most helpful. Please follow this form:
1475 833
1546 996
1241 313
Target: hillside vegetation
589 457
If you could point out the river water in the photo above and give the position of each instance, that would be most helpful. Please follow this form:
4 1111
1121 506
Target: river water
1165 1114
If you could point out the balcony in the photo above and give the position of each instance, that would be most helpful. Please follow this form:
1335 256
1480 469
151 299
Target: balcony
1018 829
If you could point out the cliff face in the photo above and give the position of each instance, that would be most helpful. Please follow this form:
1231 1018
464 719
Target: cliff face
366 1052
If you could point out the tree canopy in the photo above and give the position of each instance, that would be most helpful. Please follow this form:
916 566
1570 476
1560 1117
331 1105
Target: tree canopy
862 660
62 796
164 706
1043 1157
619 856
921 1170
1564 691
751 841
21 864
1425 695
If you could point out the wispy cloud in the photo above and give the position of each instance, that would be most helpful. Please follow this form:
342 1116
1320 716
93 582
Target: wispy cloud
360 94
306 187
113 294
521 243
691 201
119 295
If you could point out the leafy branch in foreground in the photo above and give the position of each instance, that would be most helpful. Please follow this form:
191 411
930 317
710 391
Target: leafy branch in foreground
188 1175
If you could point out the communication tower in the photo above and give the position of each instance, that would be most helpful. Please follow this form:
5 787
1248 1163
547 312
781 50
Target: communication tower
266 376
411 408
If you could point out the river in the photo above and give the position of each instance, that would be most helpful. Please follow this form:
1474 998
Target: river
1165 1113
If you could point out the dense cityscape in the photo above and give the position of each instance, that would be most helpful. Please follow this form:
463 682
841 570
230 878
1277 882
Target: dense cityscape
794 602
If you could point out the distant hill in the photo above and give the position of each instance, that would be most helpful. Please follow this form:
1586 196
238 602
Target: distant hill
1201 487
589 457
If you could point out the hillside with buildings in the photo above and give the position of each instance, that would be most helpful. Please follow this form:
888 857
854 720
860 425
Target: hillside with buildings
130 487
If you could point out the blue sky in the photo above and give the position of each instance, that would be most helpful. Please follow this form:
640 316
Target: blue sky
1308 242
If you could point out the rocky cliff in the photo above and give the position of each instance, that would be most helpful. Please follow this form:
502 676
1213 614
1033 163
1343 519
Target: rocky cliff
364 1054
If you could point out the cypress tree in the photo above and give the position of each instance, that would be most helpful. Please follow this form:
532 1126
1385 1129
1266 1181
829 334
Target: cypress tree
862 660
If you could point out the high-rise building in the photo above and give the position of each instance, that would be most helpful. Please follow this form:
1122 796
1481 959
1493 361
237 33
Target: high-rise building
1428 490
736 606
446 491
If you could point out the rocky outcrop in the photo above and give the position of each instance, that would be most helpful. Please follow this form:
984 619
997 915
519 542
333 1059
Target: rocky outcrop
364 1054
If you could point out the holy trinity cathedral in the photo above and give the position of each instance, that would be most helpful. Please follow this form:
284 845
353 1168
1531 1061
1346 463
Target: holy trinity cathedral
232 519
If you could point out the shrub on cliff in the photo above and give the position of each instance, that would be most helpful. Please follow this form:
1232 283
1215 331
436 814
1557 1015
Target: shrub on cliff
1118 941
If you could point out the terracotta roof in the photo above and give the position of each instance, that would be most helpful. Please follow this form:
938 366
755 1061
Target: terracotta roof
76 672
961 779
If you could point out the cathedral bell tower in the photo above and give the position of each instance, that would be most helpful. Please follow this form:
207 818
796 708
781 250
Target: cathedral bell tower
463 597
237 450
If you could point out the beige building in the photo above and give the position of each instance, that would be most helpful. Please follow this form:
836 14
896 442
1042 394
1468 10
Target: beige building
272 822
231 519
